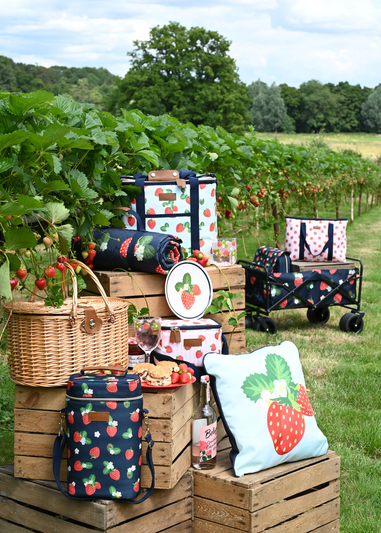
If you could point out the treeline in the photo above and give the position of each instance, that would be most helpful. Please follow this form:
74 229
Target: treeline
87 84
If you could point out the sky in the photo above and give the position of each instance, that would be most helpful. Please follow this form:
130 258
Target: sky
277 41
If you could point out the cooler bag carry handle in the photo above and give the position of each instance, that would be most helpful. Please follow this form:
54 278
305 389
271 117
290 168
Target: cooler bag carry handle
303 243
58 449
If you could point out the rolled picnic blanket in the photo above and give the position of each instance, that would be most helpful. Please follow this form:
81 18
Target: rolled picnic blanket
135 250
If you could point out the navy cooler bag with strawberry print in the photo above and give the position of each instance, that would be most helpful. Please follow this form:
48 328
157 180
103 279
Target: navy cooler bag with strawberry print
103 414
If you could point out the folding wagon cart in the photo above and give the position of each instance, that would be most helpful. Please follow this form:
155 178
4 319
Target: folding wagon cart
281 285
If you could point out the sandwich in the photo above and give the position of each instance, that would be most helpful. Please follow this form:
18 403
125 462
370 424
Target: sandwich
142 369
160 376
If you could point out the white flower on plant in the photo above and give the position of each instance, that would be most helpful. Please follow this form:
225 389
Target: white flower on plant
264 401
103 246
139 254
280 388
97 434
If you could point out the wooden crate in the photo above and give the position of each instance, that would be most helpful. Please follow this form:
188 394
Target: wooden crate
37 423
27 506
304 266
124 285
291 498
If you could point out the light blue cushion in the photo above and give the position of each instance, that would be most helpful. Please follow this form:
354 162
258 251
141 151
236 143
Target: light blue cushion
262 400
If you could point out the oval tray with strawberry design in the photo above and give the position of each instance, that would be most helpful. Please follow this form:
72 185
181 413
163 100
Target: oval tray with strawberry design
171 386
188 290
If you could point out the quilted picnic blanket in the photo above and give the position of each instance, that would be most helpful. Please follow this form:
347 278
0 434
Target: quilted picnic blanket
139 251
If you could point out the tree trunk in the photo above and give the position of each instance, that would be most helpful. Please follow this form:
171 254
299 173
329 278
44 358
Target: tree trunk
337 212
316 214
360 196
352 206
366 202
276 225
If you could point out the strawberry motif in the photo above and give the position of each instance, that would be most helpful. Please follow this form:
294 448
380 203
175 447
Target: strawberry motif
303 401
132 385
131 220
179 228
286 427
159 269
136 486
94 452
217 335
76 437
187 299
323 286
151 223
78 466
115 474
112 387
333 271
111 405
124 248
140 432
97 485
199 354
202 337
317 270
213 347
168 349
70 418
85 418
338 298
196 290
151 211
129 454
72 488
168 211
158 191
90 490
207 212
283 304
111 431
140 460
135 416
211 228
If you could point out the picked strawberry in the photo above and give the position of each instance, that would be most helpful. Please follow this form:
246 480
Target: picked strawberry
118 372
183 367
175 377
185 378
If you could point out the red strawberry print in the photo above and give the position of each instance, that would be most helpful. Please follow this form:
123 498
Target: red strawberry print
168 211
187 299
179 228
90 490
338 298
211 228
97 485
168 349
94 452
187 200
283 304
158 191
298 281
199 354
140 433
70 418
76 437
202 185
136 486
134 416
207 212
85 418
124 247
160 270
151 223
111 405
129 454
317 270
112 387
132 385
78 466
323 286
217 335
151 211
196 290
276 274
115 474
252 280
212 193
202 337
72 488
131 220
333 271
304 402
202 242
286 427
140 461
111 431
213 347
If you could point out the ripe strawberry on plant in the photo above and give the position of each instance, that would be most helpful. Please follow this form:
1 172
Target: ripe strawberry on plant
40 284
50 272
21 273
61 267
13 282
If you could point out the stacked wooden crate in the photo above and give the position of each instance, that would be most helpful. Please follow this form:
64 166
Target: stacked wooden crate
131 286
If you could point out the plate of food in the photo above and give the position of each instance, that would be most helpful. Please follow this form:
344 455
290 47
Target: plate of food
146 385
165 375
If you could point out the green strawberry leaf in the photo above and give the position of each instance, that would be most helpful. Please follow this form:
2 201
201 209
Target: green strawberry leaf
116 451
87 440
92 476
255 384
277 368
145 240
89 465
149 252
179 286
187 280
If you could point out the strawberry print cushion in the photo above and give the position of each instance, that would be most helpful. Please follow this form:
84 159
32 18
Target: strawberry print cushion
267 388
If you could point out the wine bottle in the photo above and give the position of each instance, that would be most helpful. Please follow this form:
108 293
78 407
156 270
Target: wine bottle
204 430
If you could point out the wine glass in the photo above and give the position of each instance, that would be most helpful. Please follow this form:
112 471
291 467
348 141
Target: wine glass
147 333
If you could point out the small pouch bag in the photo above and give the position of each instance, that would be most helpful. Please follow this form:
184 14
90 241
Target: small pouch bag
103 415
309 239
273 259
190 340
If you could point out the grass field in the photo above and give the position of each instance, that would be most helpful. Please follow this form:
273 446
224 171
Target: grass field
367 144
342 371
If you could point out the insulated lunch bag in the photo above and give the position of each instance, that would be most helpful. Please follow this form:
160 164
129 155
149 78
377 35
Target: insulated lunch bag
103 417
179 203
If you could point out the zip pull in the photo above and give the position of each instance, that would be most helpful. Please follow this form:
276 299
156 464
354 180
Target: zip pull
175 335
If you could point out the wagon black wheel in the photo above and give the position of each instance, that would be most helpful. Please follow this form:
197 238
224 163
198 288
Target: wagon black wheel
249 321
351 323
318 316
266 325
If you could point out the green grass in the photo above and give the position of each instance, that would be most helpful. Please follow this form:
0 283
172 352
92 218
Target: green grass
342 371
367 144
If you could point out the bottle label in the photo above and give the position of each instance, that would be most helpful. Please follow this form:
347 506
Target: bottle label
135 359
208 442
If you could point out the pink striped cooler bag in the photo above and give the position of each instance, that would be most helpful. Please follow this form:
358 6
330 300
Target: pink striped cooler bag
309 239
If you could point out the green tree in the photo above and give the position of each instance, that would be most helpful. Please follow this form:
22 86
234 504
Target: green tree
318 107
268 110
371 111
351 99
291 98
186 73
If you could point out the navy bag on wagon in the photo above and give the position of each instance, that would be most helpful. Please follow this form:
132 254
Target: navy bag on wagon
103 414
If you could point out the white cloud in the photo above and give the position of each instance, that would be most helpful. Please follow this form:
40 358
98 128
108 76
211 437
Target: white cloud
282 41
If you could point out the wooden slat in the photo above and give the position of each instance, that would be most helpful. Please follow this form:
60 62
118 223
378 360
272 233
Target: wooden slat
7 527
304 266
221 513
46 398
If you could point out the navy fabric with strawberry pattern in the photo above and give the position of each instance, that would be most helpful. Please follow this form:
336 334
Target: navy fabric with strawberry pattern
103 426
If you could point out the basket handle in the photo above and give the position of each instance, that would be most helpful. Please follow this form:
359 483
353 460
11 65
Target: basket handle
87 368
69 265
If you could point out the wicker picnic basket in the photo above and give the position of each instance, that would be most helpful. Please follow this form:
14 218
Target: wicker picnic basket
48 344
